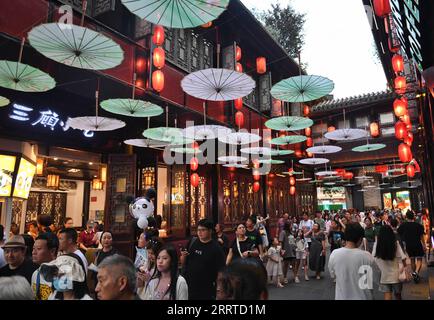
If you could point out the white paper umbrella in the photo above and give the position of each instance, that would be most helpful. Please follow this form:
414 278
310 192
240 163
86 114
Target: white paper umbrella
289 123
324 149
95 123
349 185
240 138
235 165
271 161
22 77
369 147
146 143
329 183
346 134
232 159
184 150
4 101
76 46
257 150
314 161
292 139
277 152
167 134
218 84
132 107
325 173
205 132
304 178
292 172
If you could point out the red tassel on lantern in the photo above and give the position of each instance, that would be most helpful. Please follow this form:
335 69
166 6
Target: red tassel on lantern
374 129
256 186
159 58
400 85
261 65
404 152
400 107
410 171
308 131
158 36
239 119
309 142
238 53
194 164
238 103
400 130
382 7
292 181
306 110
158 80
397 63
239 67
292 190
194 180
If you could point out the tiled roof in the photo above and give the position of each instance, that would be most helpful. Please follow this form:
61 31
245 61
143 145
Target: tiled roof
353 101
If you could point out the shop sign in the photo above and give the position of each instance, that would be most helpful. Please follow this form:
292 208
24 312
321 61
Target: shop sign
48 119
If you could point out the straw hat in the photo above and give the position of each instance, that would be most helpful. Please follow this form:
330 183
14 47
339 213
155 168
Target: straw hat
15 242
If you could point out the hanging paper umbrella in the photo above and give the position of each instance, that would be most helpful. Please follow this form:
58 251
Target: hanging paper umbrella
325 149
329 183
349 185
4 101
314 161
132 107
346 134
289 123
257 150
235 165
277 152
293 172
302 88
22 77
76 46
369 147
145 143
271 161
234 159
325 173
167 134
177 14
304 178
288 140
315 181
184 150
95 123
204 132
240 138
218 84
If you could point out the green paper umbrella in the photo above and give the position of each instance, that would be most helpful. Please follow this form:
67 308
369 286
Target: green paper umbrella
257 150
22 77
271 161
146 143
289 123
288 140
369 147
293 172
132 107
177 13
76 46
302 88
277 152
4 101
166 134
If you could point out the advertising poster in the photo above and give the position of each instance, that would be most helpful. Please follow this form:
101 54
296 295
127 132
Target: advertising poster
7 166
25 174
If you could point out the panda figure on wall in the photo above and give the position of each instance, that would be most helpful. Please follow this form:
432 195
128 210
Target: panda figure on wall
143 209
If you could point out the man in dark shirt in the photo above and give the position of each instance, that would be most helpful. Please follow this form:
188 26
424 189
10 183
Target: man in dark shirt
17 264
411 234
202 261
253 234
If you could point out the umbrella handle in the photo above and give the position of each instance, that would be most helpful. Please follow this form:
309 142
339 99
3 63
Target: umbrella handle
134 85
23 40
84 7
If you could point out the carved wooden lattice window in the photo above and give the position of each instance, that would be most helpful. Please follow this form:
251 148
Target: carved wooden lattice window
169 44
195 52
207 55
178 197
198 202
181 50
17 207
49 203
264 92
227 201
235 201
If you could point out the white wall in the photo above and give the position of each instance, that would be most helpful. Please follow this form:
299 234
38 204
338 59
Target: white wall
99 204
74 204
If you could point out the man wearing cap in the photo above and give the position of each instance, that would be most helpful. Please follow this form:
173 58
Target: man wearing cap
17 264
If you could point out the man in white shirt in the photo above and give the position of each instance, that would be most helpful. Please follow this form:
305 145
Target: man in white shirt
68 244
355 270
306 225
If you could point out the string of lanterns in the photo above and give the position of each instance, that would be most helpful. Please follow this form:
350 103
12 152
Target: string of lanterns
158 59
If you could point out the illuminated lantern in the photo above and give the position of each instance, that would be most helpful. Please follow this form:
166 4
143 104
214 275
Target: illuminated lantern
158 36
400 85
340 172
261 65
195 145
331 128
292 190
298 153
194 164
381 168
271 175
348 175
158 80
374 129
309 154
238 103
400 130
239 119
409 138
239 67
411 171
207 25
256 186
382 7
255 163
256 176
397 63
400 107
308 131
159 58
309 142
194 180
139 83
140 65
406 119
306 110
40 166
404 152
416 165
292 181
238 54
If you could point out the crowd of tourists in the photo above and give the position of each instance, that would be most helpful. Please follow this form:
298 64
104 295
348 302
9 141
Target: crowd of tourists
50 264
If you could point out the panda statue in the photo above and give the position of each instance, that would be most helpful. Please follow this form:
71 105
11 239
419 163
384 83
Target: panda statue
142 209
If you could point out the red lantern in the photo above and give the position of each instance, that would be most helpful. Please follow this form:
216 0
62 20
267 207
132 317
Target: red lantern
348 175
400 130
292 190
416 165
404 152
238 53
159 58
292 181
306 110
158 80
255 163
309 142
195 145
331 128
406 119
340 172
256 186
239 67
381 168
374 129
298 153
158 36
239 119
194 164
382 7
411 171
140 65
397 63
309 154
207 25
238 103
194 180
308 131
261 65
409 138
400 107
256 176
400 85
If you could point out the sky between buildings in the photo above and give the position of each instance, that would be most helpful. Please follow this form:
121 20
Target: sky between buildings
338 44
